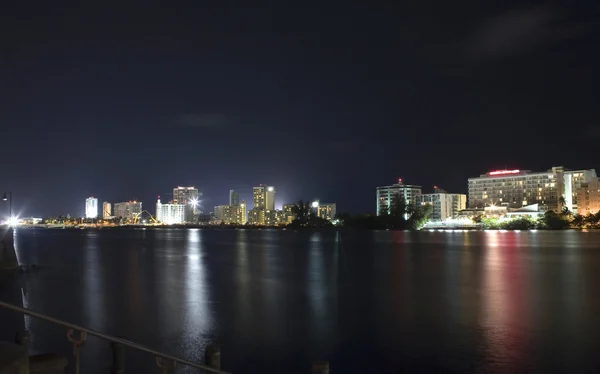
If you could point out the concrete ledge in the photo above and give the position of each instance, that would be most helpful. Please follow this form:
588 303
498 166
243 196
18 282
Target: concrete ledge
13 359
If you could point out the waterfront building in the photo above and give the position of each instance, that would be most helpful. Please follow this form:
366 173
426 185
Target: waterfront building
128 210
106 210
258 197
256 216
270 198
444 205
234 198
242 213
386 194
288 213
270 218
588 197
518 188
91 207
187 196
326 211
223 213
170 213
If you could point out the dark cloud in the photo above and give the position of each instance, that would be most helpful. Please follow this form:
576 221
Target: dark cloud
203 120
521 31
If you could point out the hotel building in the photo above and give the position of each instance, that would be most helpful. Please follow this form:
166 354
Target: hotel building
386 194
326 211
588 197
519 188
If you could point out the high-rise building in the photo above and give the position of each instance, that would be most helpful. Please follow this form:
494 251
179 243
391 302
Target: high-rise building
128 210
588 197
444 205
256 216
519 188
258 197
223 213
187 196
170 213
270 198
234 198
242 213
91 207
106 210
288 212
386 195
326 211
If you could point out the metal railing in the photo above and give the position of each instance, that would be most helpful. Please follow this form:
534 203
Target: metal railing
164 361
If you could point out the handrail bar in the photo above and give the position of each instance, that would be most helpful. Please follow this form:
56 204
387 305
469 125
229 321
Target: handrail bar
109 337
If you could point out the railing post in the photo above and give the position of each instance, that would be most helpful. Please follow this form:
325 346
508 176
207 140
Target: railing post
212 356
320 367
118 358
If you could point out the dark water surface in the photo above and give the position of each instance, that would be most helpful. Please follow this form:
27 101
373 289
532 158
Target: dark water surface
369 302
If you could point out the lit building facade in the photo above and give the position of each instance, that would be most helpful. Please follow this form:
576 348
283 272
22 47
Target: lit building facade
170 213
588 197
242 213
387 194
223 213
106 210
256 216
258 197
91 207
187 196
519 188
326 211
270 198
444 205
128 210
288 213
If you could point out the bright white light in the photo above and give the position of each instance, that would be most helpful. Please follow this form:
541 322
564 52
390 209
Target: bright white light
13 221
194 202
315 204
270 189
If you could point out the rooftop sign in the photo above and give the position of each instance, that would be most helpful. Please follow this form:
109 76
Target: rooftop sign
504 172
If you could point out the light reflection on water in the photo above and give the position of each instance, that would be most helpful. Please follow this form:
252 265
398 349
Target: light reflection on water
275 300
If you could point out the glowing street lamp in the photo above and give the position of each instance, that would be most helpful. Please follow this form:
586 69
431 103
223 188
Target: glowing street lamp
315 204
194 202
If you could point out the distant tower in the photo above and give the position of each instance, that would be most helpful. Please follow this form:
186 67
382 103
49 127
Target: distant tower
234 198
258 197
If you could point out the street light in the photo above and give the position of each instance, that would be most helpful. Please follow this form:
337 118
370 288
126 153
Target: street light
9 198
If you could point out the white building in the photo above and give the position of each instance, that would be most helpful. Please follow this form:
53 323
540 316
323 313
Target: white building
91 207
386 194
170 213
444 205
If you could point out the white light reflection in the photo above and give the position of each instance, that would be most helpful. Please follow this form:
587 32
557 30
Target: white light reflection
197 317
94 288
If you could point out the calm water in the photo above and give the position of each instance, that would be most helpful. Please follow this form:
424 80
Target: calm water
380 302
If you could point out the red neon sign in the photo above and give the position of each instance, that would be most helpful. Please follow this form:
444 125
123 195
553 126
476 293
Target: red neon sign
502 172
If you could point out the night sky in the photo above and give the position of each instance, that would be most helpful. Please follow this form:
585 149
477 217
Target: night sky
128 101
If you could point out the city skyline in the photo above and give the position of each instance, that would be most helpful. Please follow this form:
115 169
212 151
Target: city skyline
320 106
